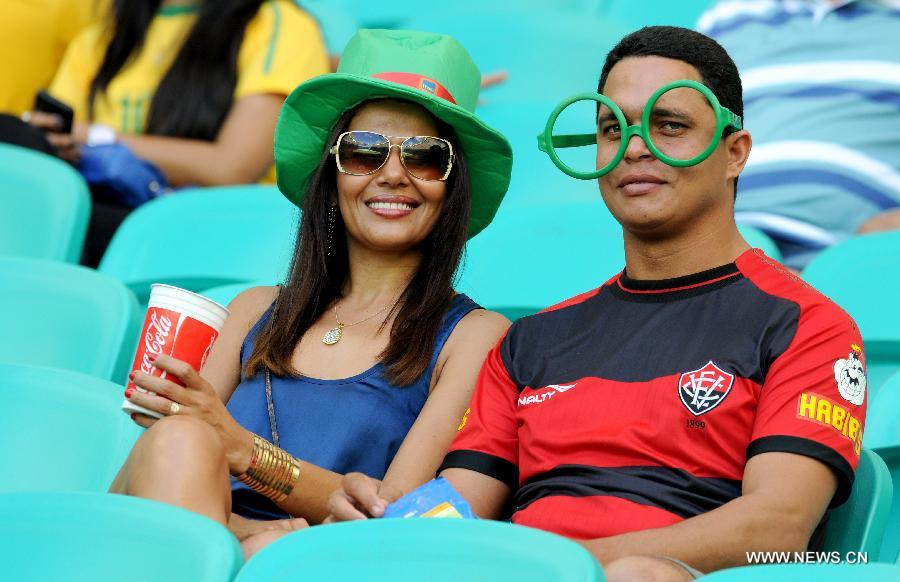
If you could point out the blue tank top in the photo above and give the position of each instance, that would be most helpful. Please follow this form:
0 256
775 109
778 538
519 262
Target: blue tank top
351 424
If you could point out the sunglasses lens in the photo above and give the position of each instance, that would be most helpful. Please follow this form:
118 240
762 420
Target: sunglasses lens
426 158
362 152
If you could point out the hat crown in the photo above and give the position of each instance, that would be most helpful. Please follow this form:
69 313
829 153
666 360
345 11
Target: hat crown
435 57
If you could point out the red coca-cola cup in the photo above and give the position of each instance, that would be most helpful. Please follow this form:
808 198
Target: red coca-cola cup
180 324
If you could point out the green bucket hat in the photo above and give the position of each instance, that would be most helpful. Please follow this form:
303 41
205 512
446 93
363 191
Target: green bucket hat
432 70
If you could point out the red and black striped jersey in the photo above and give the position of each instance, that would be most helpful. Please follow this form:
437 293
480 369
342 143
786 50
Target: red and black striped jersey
638 404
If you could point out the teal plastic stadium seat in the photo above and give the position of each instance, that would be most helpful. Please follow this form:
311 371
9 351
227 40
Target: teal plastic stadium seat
818 572
437 550
859 524
44 206
61 430
225 294
98 536
548 53
890 548
531 258
204 238
862 275
64 316
883 435
760 240
883 416
635 15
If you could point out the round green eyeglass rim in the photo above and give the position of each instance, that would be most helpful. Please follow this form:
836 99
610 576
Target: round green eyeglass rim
547 142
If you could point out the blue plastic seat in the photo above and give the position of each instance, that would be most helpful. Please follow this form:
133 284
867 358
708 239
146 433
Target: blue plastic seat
862 275
859 524
548 53
97 536
225 294
61 430
883 435
204 238
437 550
44 206
64 316
817 572
760 240
532 257
635 15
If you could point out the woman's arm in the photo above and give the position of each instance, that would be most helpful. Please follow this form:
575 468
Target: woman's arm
241 153
454 380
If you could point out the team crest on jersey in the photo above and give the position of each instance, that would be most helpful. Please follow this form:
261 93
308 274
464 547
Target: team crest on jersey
851 377
704 389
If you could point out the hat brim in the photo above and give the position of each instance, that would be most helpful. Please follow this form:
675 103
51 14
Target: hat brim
311 110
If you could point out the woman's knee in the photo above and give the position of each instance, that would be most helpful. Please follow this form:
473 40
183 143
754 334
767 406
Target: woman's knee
178 440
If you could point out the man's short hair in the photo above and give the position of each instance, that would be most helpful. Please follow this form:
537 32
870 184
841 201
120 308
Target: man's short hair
717 70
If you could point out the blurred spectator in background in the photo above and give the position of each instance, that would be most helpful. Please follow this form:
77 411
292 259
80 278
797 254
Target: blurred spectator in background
193 88
822 96
34 35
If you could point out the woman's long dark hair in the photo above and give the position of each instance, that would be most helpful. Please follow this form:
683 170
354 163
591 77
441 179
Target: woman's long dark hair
316 278
195 94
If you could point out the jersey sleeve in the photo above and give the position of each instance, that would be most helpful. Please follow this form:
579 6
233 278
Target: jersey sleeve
282 47
79 65
487 438
813 400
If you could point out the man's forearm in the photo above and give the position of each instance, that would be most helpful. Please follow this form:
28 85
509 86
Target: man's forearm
714 540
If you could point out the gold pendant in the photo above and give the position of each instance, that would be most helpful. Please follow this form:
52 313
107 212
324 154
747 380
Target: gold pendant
332 336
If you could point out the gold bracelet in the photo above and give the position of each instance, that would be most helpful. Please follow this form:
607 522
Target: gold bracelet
272 471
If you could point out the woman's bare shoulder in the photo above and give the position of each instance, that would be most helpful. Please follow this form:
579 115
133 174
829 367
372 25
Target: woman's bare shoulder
250 304
478 331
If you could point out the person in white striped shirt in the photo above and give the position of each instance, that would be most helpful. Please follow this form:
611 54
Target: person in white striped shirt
821 85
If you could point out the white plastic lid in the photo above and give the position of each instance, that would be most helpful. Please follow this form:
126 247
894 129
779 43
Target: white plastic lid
191 304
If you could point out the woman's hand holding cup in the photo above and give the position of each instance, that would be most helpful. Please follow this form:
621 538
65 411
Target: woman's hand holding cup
196 399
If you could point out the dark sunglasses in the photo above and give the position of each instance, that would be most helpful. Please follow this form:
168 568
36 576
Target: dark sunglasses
360 153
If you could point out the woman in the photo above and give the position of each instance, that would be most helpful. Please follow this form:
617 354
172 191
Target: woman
192 87
366 358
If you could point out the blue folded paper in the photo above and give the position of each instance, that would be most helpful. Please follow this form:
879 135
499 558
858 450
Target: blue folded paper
437 498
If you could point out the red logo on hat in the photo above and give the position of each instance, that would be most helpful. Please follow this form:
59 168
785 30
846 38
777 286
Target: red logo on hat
418 82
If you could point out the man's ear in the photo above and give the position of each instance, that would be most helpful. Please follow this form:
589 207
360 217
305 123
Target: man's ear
738 146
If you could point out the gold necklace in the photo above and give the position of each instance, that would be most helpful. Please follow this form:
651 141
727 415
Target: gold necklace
333 335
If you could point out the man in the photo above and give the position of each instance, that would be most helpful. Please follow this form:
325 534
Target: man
822 91
689 410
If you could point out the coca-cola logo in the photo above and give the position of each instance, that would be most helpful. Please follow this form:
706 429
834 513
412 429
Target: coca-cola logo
155 339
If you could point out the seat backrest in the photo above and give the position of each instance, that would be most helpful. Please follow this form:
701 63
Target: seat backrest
204 238
100 536
438 550
225 294
858 525
61 430
65 316
44 206
531 258
760 240
862 275
548 54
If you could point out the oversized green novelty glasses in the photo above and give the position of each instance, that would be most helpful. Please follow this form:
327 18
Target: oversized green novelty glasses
682 124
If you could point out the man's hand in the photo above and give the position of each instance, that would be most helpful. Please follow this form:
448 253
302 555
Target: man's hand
360 497
887 220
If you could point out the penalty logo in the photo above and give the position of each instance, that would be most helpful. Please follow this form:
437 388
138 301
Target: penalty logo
705 388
